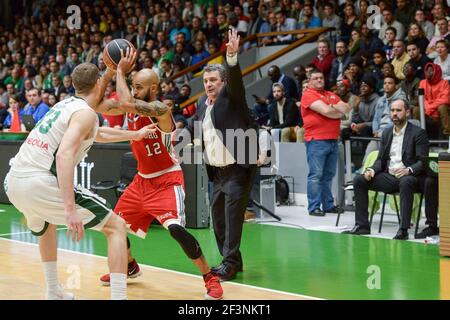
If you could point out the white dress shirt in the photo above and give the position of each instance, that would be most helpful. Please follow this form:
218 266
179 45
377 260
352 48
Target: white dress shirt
396 150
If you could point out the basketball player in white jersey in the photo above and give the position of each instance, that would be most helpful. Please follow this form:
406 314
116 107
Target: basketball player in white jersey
40 182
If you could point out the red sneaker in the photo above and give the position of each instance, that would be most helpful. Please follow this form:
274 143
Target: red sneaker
214 290
134 271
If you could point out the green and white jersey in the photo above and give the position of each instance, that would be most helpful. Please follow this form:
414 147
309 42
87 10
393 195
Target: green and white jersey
38 152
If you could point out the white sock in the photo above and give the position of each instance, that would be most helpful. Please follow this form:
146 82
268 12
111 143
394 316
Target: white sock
118 286
51 276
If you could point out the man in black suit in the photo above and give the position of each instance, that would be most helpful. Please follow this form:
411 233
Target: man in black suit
398 168
230 160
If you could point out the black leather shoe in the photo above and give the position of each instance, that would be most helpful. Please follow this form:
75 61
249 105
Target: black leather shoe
227 273
428 232
402 234
222 265
317 213
334 209
357 230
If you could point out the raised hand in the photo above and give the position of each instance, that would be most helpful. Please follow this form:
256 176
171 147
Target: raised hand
233 42
127 60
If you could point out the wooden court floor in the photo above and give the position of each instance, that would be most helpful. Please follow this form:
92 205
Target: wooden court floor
21 278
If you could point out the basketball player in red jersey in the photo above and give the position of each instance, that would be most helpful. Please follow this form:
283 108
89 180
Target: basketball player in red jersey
157 191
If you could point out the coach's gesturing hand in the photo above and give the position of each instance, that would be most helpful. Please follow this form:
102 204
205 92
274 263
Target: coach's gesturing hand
74 224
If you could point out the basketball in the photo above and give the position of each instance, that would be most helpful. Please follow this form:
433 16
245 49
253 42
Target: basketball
111 53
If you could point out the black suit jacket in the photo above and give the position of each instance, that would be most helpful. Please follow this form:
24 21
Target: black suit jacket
414 150
291 115
230 112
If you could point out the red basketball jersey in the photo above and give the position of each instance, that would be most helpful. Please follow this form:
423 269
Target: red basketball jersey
154 154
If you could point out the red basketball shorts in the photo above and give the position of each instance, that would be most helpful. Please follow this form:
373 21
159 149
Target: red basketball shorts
145 199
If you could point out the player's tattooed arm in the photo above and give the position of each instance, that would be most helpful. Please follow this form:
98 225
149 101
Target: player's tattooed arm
151 109
109 107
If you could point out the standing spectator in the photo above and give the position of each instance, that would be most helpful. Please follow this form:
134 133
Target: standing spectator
443 58
321 112
437 101
323 61
35 106
417 59
397 169
389 21
284 115
401 58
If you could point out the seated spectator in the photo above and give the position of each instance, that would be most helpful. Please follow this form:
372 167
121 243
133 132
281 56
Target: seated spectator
300 76
284 115
267 41
390 21
213 48
430 191
381 119
400 59
180 121
443 58
52 100
260 109
354 73
35 106
199 55
375 68
350 22
427 26
404 12
436 100
308 20
395 170
256 25
354 45
410 84
168 88
417 59
185 94
57 87
179 27
390 36
68 87
443 28
114 121
323 61
417 35
13 105
284 24
166 70
370 43
331 20
339 63
15 79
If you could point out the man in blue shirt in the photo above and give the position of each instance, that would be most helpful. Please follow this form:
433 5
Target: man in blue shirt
35 106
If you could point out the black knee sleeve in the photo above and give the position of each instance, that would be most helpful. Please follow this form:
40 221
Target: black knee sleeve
186 241
128 243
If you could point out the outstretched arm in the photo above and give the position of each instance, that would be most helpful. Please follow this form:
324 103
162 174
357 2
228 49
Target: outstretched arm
235 84
105 134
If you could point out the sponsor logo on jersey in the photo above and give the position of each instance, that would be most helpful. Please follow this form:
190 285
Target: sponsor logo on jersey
36 142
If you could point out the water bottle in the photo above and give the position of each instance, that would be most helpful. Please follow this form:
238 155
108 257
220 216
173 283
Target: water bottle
105 123
432 240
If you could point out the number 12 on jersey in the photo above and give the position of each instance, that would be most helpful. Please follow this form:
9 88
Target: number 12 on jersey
156 149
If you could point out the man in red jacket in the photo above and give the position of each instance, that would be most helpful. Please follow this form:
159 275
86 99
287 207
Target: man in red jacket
324 59
437 101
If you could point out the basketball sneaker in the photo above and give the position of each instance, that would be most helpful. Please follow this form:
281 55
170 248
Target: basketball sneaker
59 294
214 290
134 271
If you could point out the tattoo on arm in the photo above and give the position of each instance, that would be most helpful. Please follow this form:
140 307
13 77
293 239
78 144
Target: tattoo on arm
151 109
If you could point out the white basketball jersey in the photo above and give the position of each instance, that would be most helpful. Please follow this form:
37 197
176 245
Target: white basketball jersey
38 152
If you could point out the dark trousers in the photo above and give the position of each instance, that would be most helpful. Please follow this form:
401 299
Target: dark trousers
231 190
385 182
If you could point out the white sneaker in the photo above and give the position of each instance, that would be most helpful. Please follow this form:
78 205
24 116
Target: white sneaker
60 294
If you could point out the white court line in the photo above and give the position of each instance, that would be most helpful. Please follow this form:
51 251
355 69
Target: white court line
180 273
25 232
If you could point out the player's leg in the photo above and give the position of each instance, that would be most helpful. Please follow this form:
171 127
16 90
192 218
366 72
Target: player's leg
115 232
192 249
48 250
